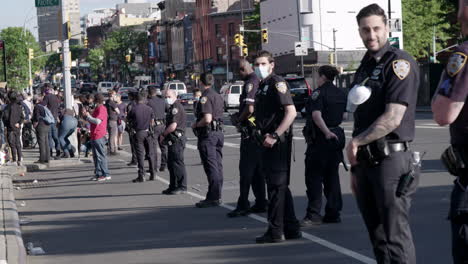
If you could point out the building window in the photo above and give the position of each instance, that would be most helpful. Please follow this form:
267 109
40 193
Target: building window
217 29
231 29
233 50
219 54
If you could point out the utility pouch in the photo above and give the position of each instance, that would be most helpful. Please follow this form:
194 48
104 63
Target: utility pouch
372 154
454 160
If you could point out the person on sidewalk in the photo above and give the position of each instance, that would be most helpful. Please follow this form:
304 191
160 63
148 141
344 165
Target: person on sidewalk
114 112
132 94
98 122
67 128
174 137
42 130
13 118
121 121
159 107
53 103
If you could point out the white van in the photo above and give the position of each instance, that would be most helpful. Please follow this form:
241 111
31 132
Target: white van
231 94
178 86
104 87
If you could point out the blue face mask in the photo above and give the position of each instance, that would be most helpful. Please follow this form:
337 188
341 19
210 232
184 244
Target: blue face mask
169 101
262 72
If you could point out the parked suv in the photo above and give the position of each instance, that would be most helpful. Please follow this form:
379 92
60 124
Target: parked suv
231 93
104 87
300 91
88 88
178 86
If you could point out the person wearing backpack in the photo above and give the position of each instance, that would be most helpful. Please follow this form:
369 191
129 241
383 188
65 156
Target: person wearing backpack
42 129
13 118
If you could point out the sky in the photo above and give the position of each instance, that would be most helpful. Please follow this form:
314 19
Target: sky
19 12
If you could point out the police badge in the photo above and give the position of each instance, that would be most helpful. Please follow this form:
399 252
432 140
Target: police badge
175 111
203 100
281 87
401 68
456 63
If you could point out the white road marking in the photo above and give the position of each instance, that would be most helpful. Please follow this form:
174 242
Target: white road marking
232 145
190 146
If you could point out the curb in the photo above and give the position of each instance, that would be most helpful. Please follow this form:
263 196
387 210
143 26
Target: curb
12 250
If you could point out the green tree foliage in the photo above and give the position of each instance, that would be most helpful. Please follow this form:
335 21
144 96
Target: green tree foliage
419 19
253 40
17 42
96 61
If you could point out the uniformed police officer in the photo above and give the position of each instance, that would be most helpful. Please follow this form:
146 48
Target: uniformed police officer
141 119
385 93
250 170
159 106
325 142
174 137
274 116
450 107
132 93
209 130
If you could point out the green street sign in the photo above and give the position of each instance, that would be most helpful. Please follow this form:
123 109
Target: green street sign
395 42
43 3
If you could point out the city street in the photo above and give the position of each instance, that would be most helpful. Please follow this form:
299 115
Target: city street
79 221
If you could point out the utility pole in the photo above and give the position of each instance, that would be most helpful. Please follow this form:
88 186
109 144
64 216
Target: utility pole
30 76
434 54
227 58
334 46
390 13
3 46
66 60
300 32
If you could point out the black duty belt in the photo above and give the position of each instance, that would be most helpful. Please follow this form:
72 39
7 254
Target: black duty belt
399 146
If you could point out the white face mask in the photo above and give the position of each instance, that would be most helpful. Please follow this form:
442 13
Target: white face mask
262 71
169 101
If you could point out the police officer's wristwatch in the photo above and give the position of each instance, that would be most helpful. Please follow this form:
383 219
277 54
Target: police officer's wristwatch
275 136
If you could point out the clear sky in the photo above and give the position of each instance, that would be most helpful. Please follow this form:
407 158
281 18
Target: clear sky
15 13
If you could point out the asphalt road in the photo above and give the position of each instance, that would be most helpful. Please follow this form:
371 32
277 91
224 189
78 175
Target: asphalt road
78 221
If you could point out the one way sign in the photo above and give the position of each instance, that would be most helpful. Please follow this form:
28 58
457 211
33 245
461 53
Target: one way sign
300 49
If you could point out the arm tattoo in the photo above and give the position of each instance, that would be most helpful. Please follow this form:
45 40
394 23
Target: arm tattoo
385 124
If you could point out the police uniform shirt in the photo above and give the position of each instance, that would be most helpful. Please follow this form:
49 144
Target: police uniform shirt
330 101
393 76
176 113
140 116
159 107
271 96
249 90
210 103
454 85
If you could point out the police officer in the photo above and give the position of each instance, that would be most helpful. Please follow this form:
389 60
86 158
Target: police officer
274 116
159 106
132 93
209 130
174 137
141 119
250 170
450 107
385 93
325 142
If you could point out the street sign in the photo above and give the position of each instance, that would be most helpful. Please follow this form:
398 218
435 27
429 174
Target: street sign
395 24
394 42
300 49
43 3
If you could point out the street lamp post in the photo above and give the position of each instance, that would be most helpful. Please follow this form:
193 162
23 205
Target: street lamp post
300 32
66 61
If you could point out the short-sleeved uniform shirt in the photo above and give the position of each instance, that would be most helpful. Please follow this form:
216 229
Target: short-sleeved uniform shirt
99 131
176 113
454 85
111 106
272 95
393 76
140 116
159 107
210 103
249 90
330 101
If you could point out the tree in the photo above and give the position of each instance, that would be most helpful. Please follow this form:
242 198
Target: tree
17 42
419 19
96 61
253 40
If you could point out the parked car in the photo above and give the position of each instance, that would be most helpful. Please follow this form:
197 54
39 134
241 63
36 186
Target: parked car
88 88
104 87
231 93
178 86
123 91
186 100
300 91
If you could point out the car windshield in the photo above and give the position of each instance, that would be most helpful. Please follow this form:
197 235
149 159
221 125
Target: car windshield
299 90
297 83
186 96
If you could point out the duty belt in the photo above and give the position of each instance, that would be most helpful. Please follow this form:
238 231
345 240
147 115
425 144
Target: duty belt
160 122
372 154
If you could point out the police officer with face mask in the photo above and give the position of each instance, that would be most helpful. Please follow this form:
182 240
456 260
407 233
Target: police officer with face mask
274 116
384 174
209 130
325 142
250 170
450 107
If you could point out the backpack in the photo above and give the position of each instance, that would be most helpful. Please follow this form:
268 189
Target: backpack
48 118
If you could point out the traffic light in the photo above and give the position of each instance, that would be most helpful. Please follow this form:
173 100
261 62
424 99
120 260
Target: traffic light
128 58
331 58
265 35
245 51
30 54
85 42
66 30
239 39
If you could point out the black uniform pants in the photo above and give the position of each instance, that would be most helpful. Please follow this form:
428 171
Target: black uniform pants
321 167
43 141
459 221
211 153
387 216
14 142
131 139
251 174
142 137
281 215
163 147
177 172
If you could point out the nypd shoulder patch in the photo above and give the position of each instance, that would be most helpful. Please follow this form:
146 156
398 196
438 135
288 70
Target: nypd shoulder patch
175 111
315 95
401 68
249 87
281 87
456 63
203 100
